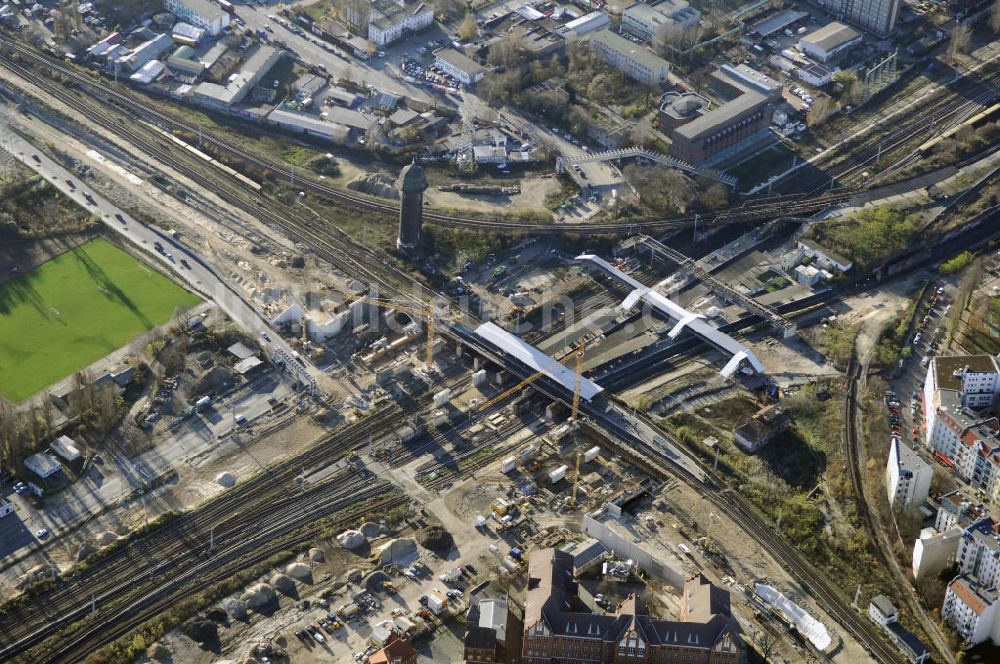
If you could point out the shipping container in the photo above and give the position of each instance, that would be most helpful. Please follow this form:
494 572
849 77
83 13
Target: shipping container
591 454
507 465
558 474
442 397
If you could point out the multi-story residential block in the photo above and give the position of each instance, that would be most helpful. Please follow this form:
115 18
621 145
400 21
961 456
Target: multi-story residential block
633 60
958 390
979 552
204 14
559 630
645 20
385 21
937 547
878 16
907 476
972 609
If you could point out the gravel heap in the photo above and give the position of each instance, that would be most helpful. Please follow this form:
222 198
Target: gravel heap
259 596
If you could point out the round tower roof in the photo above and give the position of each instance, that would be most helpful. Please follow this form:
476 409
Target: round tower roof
412 178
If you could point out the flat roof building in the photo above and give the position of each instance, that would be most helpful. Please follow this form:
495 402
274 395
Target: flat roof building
204 14
833 38
907 476
633 60
388 20
65 447
42 464
645 20
221 97
680 108
459 66
779 22
725 132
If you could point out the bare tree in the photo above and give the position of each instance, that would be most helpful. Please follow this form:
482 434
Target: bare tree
960 42
821 110
766 642
468 30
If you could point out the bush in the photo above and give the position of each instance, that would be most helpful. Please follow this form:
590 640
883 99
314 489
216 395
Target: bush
957 263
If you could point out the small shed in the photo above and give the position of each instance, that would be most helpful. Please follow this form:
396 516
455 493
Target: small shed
65 447
241 351
42 464
243 367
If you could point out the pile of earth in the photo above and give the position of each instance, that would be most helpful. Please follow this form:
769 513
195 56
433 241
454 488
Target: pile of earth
436 539
376 184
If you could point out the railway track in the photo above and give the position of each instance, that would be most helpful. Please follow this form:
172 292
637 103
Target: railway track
881 548
729 502
959 101
794 205
237 514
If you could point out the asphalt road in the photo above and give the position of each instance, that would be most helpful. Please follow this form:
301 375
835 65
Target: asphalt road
198 276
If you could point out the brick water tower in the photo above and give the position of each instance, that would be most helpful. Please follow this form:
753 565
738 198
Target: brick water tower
412 183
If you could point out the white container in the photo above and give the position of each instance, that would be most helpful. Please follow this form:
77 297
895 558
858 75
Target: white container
436 603
442 397
507 465
591 454
480 521
479 378
558 474
440 418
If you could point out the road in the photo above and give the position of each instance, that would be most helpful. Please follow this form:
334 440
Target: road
199 276
379 73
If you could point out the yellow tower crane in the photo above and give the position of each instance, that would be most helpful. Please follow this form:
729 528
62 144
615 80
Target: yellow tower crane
428 315
577 354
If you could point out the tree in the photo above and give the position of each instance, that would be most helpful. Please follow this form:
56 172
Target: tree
995 17
853 89
766 641
714 196
661 190
468 30
822 109
960 42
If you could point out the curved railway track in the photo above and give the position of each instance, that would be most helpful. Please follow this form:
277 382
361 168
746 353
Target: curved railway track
235 515
759 209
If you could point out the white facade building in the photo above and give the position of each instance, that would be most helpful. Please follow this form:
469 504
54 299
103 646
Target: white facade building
204 14
907 476
633 60
458 66
971 608
979 552
934 551
882 611
644 21
389 20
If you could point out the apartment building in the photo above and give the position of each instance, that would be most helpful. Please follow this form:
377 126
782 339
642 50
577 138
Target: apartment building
645 20
635 61
878 16
907 476
979 552
972 609
389 20
204 14
560 629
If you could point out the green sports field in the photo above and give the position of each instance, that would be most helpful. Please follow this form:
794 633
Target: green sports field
74 310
